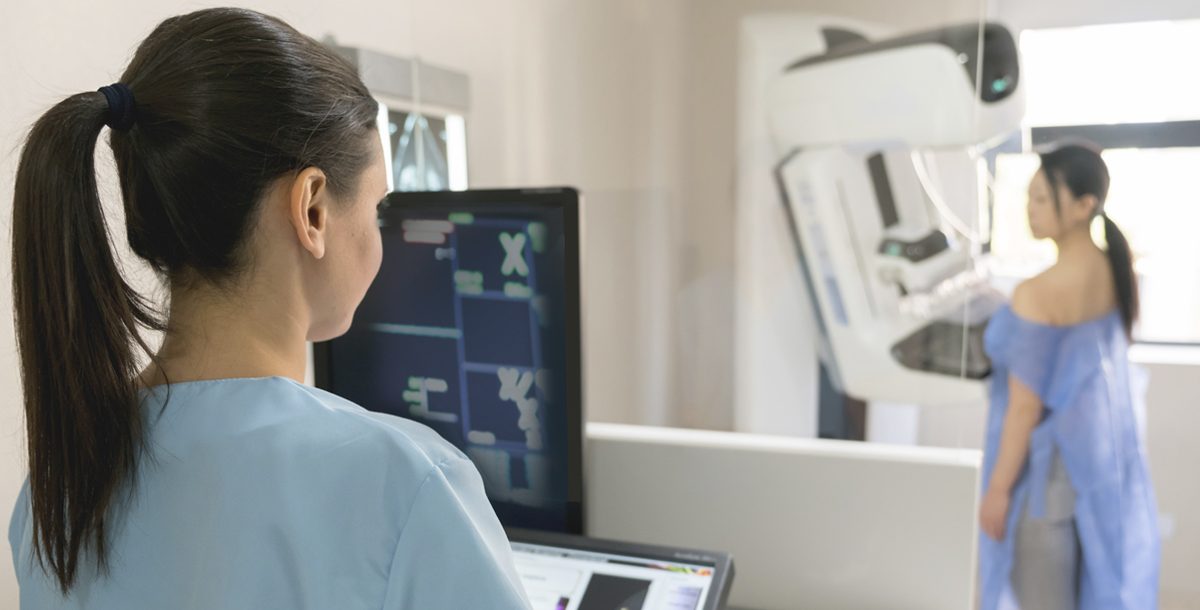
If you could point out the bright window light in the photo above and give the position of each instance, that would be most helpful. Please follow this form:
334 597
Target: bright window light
456 151
1098 75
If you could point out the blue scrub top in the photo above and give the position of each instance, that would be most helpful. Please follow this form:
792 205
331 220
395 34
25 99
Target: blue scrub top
266 493
1081 373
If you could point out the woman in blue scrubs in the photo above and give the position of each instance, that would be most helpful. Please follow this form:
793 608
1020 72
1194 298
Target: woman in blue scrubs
204 474
1068 512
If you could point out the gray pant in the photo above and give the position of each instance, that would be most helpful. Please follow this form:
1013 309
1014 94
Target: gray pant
1046 560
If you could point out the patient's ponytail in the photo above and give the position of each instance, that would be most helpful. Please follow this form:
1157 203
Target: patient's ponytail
1121 259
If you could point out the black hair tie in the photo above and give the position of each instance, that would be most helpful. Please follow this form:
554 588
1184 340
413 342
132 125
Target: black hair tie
120 106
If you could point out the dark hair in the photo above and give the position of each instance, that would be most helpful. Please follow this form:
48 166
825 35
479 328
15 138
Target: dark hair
1082 170
227 102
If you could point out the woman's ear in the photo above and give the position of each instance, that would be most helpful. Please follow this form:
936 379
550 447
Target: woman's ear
308 209
1088 205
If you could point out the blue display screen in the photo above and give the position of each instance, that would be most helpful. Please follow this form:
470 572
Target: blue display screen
464 331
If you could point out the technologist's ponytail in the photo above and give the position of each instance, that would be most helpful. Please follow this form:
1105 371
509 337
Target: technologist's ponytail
77 323
1082 170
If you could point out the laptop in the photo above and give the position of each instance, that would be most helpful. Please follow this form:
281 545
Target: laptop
567 572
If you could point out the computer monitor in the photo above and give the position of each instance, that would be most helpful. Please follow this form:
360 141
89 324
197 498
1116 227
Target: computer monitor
472 327
562 572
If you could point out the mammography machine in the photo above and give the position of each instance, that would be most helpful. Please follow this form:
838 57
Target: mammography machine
876 153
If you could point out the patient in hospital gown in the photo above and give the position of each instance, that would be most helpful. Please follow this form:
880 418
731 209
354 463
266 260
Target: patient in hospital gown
1087 440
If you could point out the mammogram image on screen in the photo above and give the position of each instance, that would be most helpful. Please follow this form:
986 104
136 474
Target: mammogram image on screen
462 331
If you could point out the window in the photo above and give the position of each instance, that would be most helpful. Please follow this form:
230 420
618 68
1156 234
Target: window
1110 85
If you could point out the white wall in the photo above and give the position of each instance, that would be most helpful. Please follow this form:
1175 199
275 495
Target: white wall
1172 422
562 92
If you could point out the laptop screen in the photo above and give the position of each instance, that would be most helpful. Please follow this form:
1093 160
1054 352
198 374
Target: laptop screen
561 578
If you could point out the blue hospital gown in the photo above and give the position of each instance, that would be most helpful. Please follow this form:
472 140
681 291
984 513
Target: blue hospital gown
266 493
1082 375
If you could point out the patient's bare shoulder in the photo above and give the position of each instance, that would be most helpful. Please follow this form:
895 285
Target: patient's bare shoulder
1034 299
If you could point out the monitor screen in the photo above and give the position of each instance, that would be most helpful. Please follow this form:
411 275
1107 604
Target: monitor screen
588 575
472 328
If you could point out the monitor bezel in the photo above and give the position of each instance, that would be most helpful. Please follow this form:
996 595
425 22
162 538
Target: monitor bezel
721 562
563 198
